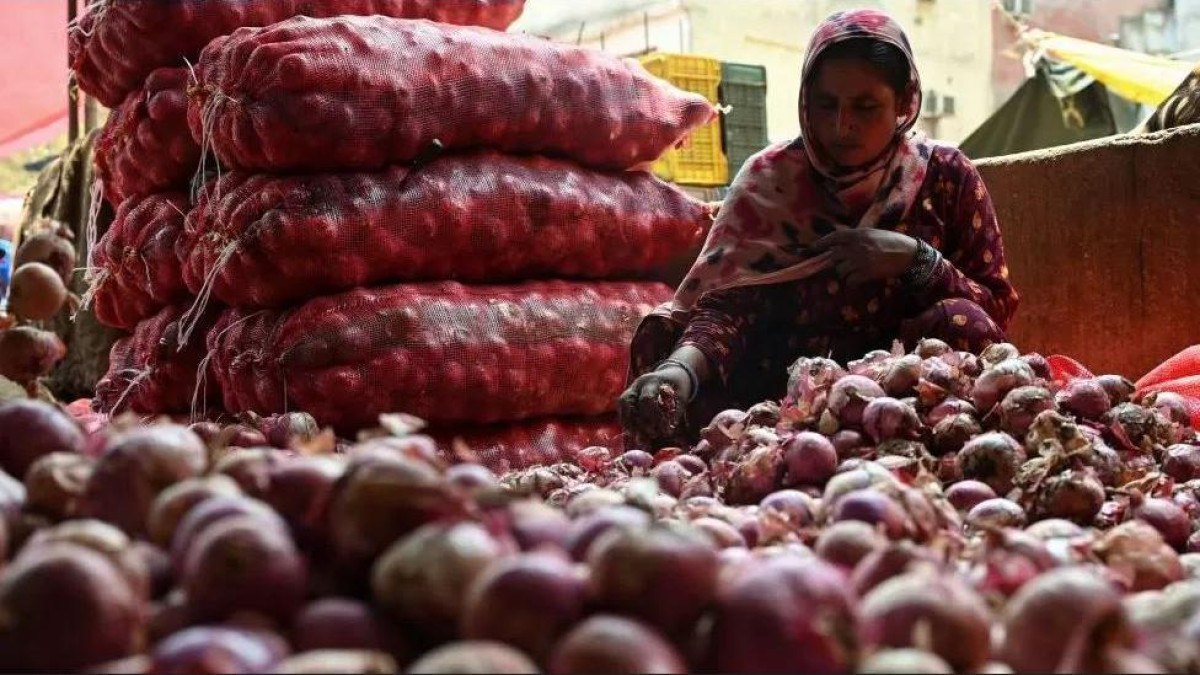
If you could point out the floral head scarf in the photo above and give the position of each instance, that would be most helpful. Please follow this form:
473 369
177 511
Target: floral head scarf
786 197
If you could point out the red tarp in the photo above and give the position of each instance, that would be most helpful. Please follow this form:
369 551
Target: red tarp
33 73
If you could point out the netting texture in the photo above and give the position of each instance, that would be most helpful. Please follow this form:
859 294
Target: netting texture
145 146
136 268
117 43
1179 374
445 352
148 374
536 443
267 241
362 93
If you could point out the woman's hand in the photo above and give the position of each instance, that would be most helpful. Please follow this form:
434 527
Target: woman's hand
654 404
861 256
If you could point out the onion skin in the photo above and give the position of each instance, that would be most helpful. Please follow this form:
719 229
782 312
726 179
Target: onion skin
1182 462
30 430
1075 495
1020 408
998 512
1058 612
100 538
954 432
958 622
610 644
1136 551
846 543
810 459
1084 398
67 608
665 576
36 292
55 482
51 250
994 384
796 506
848 399
528 602
174 503
992 458
784 615
886 418
1166 517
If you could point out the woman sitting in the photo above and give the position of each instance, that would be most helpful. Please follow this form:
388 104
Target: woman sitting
859 233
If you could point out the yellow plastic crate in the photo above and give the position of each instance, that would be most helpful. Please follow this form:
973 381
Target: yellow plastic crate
702 161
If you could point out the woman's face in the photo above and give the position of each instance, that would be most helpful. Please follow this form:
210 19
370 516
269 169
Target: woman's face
853 111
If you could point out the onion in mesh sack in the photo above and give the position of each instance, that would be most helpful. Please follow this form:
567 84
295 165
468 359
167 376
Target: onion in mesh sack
528 602
424 578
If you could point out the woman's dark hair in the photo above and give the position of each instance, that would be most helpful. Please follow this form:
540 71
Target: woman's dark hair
886 58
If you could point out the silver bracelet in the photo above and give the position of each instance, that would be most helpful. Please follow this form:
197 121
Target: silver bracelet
693 379
923 267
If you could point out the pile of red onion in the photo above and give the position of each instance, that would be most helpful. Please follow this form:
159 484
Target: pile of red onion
933 512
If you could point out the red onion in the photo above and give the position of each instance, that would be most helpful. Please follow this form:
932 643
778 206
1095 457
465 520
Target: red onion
1166 517
904 661
848 443
999 353
336 623
948 470
867 474
534 525
765 414
885 563
1063 621
380 498
424 577
210 650
250 468
664 575
992 458
130 665
947 408
1119 389
158 566
814 373
931 612
671 477
55 482
470 478
209 512
610 644
1054 528
241 436
886 418
784 614
724 430
206 431
848 399
100 538
31 429
528 602
136 466
954 432
1136 551
1140 426
1171 406
282 430
1020 408
12 499
756 476
900 376
66 607
173 503
692 463
846 543
810 459
298 488
997 512
238 565
50 249
721 534
965 495
635 462
340 662
1074 494
931 347
797 507
414 447
1085 398
1182 462
1039 364
994 384
874 508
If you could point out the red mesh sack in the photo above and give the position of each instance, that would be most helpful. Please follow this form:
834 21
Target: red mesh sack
444 352
362 93
268 241
149 375
145 146
1064 369
116 43
135 270
515 447
1179 374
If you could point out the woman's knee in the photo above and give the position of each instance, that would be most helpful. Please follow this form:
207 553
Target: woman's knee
959 322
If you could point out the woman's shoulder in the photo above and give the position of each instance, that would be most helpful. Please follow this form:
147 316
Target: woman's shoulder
947 158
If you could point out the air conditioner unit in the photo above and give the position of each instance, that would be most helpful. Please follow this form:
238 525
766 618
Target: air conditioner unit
1019 7
933 105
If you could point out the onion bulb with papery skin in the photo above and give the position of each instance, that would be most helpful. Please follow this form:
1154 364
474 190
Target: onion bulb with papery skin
965 495
810 458
954 432
28 353
994 384
611 644
908 661
51 250
886 418
848 399
993 458
30 430
1085 398
36 292
1170 405
847 542
55 482
1020 408
1182 462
